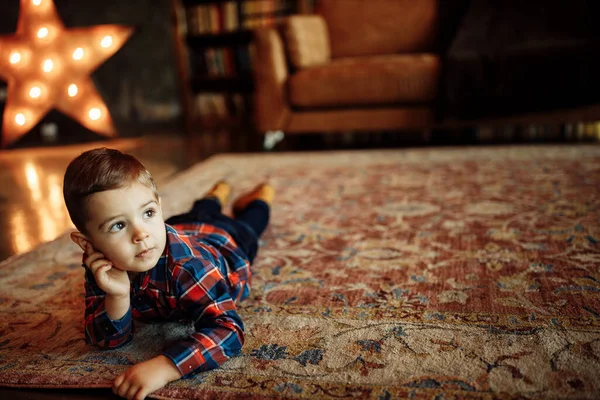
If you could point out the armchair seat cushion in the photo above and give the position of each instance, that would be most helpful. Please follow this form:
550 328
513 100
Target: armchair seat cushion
373 80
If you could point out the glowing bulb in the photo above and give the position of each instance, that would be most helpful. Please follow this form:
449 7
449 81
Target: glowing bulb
20 119
15 58
106 41
78 54
94 114
35 92
48 64
37 2
72 90
42 33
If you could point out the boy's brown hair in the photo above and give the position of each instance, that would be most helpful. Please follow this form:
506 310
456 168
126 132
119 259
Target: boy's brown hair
98 170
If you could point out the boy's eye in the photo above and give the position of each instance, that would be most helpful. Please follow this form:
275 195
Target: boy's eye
149 213
116 227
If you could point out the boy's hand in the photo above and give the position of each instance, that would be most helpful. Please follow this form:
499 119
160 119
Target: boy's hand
146 377
109 278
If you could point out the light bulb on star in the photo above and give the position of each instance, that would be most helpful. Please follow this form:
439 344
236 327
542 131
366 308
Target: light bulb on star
15 57
72 90
35 92
78 54
42 33
41 62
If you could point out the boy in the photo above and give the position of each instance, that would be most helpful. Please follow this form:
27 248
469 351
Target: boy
194 266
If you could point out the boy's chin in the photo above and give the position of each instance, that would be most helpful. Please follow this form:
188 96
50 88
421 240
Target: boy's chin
148 264
138 266
142 267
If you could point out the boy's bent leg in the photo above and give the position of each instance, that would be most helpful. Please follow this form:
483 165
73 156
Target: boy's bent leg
220 191
213 201
209 205
253 208
264 192
256 215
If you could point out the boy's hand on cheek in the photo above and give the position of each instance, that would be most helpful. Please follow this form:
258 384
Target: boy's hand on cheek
146 377
112 280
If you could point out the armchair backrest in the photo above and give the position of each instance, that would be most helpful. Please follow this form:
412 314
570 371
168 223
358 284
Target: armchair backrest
367 27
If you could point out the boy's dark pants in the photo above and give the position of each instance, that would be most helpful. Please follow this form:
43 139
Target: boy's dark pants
245 227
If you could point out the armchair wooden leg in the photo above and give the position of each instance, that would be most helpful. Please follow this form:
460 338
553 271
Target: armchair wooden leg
271 139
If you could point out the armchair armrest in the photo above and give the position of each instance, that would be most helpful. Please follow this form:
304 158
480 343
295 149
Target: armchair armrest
271 73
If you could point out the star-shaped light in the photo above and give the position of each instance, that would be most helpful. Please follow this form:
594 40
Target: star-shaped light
48 66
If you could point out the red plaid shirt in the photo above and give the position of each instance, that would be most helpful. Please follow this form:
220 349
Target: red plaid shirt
200 277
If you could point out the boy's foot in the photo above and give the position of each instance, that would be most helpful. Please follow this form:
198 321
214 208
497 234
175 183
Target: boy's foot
264 192
220 191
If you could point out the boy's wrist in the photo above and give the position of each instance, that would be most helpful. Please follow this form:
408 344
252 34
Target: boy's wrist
172 373
116 306
118 297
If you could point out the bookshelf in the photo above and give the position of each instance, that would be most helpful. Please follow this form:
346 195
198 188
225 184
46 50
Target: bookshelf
213 42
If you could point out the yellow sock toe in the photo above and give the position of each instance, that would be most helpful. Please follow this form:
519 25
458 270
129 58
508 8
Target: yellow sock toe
264 192
221 191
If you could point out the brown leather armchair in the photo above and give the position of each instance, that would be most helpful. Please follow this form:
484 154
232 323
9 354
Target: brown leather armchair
354 65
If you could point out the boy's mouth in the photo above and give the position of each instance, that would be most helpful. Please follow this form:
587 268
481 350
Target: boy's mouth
145 253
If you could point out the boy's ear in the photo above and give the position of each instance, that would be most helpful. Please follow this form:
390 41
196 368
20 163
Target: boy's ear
82 241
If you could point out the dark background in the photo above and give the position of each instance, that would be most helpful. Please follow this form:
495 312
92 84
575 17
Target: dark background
500 58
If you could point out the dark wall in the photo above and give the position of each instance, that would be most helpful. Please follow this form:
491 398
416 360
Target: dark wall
139 83
512 57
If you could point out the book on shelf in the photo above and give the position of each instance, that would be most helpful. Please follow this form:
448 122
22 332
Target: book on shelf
214 18
245 58
262 13
220 105
221 62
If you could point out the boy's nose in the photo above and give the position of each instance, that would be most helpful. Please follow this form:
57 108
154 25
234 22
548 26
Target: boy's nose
139 235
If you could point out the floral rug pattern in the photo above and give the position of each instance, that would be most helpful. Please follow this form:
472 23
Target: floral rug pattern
465 273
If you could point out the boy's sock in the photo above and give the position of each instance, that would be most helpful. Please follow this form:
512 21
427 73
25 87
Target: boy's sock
264 192
220 191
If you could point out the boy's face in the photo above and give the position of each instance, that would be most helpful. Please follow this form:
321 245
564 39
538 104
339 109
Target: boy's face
127 226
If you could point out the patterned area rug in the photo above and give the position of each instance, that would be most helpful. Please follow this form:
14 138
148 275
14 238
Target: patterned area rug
463 273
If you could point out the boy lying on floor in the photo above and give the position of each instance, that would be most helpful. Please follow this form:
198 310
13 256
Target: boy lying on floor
194 266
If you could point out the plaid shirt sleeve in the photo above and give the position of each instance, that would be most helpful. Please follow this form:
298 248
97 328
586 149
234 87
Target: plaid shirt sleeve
99 328
219 331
